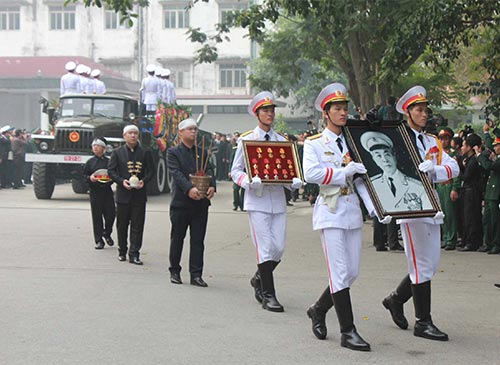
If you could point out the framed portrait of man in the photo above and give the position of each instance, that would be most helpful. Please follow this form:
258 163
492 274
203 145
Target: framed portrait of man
397 187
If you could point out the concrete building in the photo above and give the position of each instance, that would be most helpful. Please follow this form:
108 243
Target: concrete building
45 28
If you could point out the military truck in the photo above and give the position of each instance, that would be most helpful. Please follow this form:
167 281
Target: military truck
62 153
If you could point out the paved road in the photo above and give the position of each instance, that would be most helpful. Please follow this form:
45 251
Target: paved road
63 302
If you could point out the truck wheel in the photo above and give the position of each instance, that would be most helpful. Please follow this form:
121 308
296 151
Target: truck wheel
157 184
44 180
79 186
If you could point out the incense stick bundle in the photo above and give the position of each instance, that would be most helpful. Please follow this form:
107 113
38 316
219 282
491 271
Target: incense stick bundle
209 151
196 152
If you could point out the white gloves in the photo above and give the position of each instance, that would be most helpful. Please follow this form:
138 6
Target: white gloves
256 183
386 220
296 183
353 168
439 215
426 166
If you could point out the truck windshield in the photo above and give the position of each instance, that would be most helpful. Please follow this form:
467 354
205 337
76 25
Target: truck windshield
75 107
111 108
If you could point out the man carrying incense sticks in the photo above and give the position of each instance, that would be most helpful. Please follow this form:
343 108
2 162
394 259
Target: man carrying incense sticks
188 207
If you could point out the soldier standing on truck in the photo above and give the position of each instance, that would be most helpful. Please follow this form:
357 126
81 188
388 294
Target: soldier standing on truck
70 82
100 87
150 90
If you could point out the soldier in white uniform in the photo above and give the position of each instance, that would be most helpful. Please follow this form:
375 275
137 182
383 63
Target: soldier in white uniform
70 81
81 69
421 236
171 96
337 214
397 191
150 90
266 204
100 87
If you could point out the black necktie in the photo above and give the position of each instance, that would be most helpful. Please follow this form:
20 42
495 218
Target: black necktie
267 137
339 143
393 188
421 139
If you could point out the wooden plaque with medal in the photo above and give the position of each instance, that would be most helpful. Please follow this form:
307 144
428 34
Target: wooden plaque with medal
272 162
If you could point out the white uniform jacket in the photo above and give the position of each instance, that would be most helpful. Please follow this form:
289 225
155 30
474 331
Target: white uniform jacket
100 87
150 90
70 84
172 97
322 164
272 200
446 168
83 85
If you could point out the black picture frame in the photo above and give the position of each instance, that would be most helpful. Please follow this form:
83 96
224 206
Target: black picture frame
395 184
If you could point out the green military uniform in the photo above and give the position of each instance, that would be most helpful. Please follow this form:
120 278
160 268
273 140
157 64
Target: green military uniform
450 225
491 200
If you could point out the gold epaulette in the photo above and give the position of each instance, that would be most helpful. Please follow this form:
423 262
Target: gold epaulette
282 135
246 133
315 136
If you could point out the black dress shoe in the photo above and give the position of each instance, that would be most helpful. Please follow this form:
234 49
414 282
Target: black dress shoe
467 248
318 322
381 248
109 241
122 258
352 340
270 303
449 248
99 245
494 251
483 248
255 283
426 329
198 281
497 285
235 209
397 247
135 261
397 312
175 278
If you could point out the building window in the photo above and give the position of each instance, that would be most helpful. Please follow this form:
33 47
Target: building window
112 21
177 17
10 18
181 77
62 17
233 75
227 109
225 9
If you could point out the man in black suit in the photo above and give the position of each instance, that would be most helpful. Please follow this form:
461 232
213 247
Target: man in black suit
187 207
131 168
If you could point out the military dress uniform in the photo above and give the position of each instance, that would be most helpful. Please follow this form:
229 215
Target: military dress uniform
102 202
266 207
70 82
150 90
492 198
421 236
338 217
449 229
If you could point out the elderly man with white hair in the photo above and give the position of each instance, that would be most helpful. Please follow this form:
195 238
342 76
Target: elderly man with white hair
131 167
188 205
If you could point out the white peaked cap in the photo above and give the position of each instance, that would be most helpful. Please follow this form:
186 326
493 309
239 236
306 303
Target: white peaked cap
264 98
330 93
5 128
415 95
130 127
80 69
95 73
373 140
166 72
186 123
70 66
150 68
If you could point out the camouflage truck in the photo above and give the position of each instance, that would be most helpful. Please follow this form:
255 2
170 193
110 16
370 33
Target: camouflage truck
78 119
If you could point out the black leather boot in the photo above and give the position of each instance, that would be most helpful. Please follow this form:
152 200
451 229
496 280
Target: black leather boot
423 325
257 286
395 301
269 301
350 337
317 313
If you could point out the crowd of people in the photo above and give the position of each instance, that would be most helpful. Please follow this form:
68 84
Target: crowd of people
15 172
